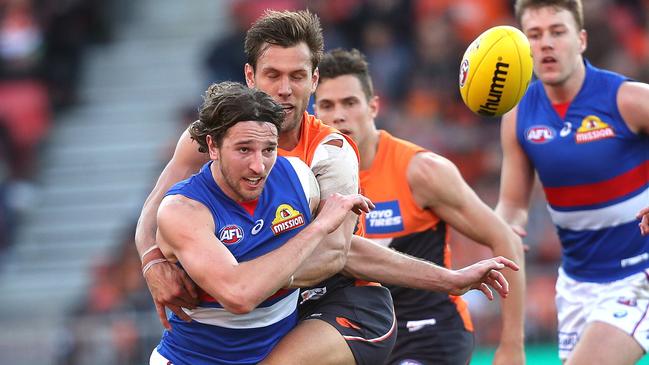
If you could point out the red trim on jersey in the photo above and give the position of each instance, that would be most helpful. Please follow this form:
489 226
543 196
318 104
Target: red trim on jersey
250 206
589 194
561 109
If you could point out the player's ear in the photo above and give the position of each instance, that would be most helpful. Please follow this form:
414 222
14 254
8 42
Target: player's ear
314 80
373 103
583 40
249 73
212 148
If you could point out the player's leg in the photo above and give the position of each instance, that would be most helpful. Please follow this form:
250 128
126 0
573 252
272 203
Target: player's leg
604 344
157 359
573 300
357 320
431 345
617 328
311 342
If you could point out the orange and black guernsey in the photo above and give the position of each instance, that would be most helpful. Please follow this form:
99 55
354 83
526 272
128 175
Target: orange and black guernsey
312 132
397 221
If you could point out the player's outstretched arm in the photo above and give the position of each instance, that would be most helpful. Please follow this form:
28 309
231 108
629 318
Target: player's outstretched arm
170 287
367 260
186 234
438 185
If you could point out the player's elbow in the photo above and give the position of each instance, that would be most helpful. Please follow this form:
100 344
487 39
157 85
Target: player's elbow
239 303
239 308
239 299
338 261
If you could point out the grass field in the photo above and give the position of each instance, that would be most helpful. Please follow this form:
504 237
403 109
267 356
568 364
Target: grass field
536 355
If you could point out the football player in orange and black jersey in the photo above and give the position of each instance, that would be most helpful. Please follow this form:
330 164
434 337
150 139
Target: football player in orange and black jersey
417 194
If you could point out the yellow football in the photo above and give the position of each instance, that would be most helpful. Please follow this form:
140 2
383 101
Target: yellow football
495 71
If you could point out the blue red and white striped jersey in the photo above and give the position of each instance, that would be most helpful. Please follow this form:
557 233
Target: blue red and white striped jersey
595 174
216 336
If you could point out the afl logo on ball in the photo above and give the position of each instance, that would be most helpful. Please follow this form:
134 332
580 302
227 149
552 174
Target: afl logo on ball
231 234
464 71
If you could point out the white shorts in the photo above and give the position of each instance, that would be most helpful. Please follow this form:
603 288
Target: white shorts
157 359
623 303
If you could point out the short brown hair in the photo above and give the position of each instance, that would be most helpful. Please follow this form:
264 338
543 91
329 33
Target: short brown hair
227 103
285 29
340 62
573 6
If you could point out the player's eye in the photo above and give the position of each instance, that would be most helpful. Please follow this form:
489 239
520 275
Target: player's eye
534 36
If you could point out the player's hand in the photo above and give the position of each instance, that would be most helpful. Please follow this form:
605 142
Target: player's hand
170 287
509 354
482 275
334 209
643 215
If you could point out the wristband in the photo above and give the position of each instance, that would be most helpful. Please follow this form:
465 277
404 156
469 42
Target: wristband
153 253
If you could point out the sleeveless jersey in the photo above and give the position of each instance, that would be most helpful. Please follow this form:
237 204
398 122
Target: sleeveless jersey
312 133
399 222
595 174
216 336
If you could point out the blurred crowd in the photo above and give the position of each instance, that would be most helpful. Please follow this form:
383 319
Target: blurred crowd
42 45
414 48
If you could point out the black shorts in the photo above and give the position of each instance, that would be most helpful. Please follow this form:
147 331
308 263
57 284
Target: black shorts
363 315
432 345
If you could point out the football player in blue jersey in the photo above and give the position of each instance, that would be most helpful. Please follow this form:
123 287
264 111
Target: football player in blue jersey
353 319
594 169
240 228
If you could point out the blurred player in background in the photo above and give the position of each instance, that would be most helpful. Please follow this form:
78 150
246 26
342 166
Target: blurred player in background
240 228
417 193
584 131
352 319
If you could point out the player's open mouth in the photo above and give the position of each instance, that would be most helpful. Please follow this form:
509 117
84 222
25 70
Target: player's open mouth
345 131
288 108
252 181
548 60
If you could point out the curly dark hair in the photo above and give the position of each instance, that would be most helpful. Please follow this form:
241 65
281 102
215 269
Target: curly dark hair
227 103
285 29
340 62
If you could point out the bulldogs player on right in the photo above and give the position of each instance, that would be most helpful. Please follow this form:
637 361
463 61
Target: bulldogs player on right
593 163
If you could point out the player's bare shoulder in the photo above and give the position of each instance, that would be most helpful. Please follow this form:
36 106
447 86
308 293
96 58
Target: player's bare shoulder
632 106
432 178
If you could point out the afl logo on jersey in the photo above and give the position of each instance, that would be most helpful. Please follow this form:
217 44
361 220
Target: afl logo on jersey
540 134
231 234
286 219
